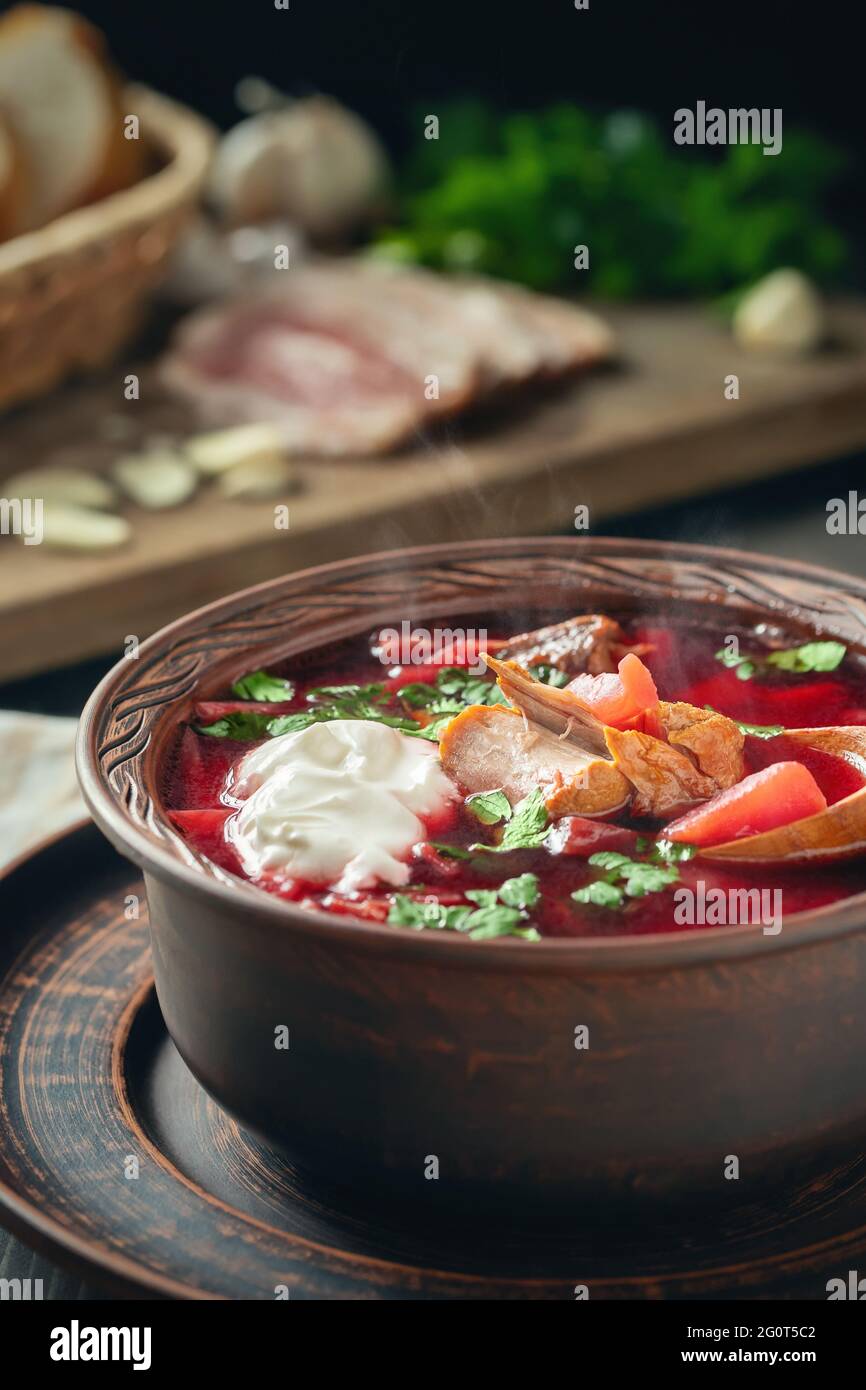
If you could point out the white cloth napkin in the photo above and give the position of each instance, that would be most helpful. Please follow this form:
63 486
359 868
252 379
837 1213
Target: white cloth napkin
38 791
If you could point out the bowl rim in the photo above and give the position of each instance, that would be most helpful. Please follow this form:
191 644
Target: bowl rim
660 950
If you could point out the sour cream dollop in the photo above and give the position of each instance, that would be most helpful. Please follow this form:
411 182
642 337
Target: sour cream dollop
337 803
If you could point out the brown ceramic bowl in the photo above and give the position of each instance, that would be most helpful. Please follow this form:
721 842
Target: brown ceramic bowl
407 1045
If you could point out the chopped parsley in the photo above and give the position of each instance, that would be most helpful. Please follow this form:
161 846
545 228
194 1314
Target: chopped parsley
493 912
521 892
327 702
811 656
743 667
550 675
623 878
527 828
454 691
449 851
260 685
489 807
243 727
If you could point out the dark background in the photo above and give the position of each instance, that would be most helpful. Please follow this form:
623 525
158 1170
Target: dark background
385 58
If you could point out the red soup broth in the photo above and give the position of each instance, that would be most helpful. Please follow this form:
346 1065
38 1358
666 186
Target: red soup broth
199 774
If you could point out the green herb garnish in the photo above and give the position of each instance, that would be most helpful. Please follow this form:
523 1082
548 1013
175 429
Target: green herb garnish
521 892
550 675
373 702
260 685
600 893
469 689
429 697
454 691
489 807
327 703
432 730
349 702
527 828
495 911
811 656
624 878
243 727
743 667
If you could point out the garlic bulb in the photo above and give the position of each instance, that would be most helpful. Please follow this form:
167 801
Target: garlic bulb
312 162
783 313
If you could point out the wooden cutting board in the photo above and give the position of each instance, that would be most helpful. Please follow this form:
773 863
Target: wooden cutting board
655 428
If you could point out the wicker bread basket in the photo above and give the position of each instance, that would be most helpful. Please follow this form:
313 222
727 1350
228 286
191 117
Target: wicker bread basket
74 291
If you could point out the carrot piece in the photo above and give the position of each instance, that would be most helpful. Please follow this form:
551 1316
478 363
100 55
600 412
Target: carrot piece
777 795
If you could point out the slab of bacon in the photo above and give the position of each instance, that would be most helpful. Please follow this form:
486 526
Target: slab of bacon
355 357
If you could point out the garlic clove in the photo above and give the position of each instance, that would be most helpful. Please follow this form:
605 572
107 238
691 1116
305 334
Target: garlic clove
311 161
66 527
156 480
76 486
257 478
782 313
221 450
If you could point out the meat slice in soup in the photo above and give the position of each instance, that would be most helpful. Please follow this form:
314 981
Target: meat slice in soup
662 778
715 742
590 642
491 746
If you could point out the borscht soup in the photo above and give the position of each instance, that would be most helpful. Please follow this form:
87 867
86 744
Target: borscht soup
589 775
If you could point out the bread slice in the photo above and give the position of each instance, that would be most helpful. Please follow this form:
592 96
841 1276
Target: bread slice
63 103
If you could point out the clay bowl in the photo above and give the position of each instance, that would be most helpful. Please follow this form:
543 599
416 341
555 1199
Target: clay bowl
408 1045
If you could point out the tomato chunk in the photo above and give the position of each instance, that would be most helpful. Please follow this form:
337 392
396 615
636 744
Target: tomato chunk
621 700
777 795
